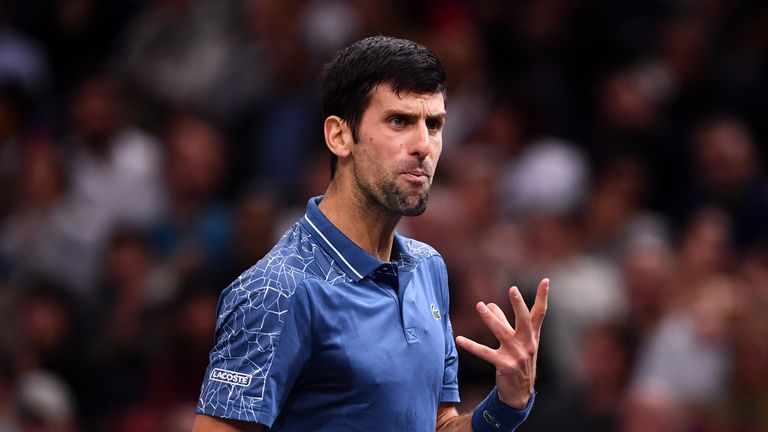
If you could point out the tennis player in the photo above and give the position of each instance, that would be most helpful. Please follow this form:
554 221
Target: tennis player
344 325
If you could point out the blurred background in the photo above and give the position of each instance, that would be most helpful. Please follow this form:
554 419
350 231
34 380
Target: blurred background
151 150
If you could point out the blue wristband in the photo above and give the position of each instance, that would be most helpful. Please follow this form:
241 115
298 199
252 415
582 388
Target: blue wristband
493 415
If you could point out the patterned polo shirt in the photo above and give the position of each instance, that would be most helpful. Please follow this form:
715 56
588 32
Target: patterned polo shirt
319 335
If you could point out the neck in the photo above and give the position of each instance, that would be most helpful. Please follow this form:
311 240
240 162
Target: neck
366 223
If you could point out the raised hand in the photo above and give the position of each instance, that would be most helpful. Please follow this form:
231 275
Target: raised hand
515 358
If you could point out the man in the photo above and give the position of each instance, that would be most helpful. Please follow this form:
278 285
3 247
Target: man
344 325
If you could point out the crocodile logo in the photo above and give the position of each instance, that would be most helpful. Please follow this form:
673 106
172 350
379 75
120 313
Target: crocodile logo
492 421
435 312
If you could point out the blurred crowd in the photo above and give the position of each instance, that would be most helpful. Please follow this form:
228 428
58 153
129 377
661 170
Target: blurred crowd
151 150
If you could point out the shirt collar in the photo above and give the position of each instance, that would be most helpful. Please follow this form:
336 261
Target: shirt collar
350 257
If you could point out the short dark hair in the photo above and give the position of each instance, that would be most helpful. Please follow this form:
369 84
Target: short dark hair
347 81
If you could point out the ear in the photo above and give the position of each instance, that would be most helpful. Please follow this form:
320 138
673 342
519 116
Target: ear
338 136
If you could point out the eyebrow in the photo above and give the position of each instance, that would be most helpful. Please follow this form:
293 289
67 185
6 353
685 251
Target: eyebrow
412 114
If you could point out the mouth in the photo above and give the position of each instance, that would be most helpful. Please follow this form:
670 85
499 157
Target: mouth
416 176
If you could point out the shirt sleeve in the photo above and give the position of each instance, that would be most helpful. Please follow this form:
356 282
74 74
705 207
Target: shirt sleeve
450 389
261 345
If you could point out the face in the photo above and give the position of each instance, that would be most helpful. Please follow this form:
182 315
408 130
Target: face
400 140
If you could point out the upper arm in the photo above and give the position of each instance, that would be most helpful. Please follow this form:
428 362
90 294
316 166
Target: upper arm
262 344
205 423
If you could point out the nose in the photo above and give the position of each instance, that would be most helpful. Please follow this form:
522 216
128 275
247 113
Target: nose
422 141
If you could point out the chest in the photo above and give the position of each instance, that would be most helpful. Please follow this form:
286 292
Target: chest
380 334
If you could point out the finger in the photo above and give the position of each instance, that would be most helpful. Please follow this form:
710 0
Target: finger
522 315
498 313
502 331
539 309
477 349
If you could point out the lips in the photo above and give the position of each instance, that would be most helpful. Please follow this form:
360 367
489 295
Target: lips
417 173
416 176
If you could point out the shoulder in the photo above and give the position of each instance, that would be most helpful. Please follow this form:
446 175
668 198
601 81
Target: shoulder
423 259
419 252
418 249
295 258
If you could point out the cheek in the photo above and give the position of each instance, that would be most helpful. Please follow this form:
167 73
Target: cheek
438 150
381 151
434 155
367 161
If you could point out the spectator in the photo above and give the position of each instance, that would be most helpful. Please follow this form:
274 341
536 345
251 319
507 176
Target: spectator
31 238
45 404
731 177
594 403
114 178
196 233
180 52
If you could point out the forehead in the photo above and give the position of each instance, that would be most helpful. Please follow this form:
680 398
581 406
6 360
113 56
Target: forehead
384 97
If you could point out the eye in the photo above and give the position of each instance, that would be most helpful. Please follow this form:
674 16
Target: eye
397 121
434 124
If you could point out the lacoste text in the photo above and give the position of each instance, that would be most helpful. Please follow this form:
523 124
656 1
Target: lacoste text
229 377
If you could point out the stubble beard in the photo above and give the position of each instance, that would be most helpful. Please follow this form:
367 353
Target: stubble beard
390 197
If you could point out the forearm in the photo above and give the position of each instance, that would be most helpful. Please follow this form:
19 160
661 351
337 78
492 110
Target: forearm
449 420
490 415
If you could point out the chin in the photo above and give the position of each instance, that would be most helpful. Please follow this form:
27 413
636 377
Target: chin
398 202
415 209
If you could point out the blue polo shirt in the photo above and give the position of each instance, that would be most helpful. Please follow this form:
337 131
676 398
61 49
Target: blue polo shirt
321 336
